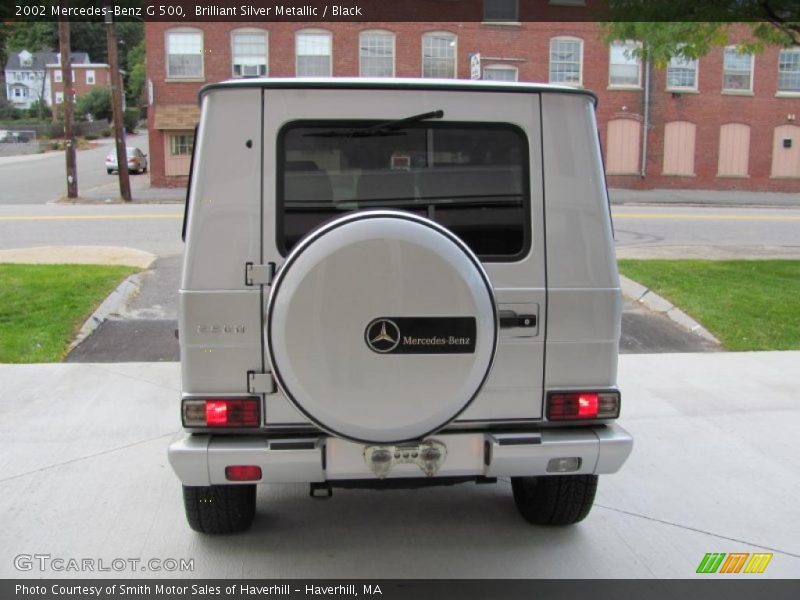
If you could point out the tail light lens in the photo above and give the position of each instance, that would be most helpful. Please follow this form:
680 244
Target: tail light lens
243 473
574 406
221 412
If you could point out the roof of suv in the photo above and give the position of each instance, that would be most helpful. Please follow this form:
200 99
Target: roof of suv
396 83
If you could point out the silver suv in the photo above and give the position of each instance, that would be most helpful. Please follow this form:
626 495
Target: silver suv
396 284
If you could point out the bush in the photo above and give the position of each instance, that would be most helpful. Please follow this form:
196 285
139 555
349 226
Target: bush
55 130
55 145
90 136
9 111
96 104
131 119
39 110
106 132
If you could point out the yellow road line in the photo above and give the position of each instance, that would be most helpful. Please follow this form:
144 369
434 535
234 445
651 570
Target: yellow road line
705 217
91 217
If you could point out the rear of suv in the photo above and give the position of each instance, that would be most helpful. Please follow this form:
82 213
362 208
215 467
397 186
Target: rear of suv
397 284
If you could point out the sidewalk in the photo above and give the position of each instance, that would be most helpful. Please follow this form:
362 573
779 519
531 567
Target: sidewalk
703 197
713 469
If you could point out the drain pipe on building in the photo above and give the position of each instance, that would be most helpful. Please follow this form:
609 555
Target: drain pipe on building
646 128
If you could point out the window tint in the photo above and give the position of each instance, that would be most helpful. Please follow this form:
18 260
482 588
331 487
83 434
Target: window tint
470 178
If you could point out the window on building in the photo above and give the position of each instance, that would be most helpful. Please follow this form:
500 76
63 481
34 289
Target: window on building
503 11
249 52
57 76
313 51
789 70
623 143
737 71
500 73
566 56
90 77
624 70
376 54
184 54
59 97
682 74
181 144
19 92
439 55
734 150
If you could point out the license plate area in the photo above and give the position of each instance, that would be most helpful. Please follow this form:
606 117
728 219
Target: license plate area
458 455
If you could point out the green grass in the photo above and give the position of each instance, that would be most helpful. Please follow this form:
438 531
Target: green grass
747 304
43 306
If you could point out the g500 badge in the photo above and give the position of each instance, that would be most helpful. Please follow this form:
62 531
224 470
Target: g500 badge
421 335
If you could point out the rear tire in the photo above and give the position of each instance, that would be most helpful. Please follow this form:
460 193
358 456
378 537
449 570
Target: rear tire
220 508
556 499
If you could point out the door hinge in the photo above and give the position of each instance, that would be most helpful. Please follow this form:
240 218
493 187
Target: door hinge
260 383
259 274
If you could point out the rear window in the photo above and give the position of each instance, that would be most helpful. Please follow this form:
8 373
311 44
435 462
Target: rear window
469 177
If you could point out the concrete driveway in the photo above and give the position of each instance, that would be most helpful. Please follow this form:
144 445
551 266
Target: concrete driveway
714 469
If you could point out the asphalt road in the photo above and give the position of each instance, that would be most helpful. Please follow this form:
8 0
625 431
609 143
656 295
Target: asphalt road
145 332
41 178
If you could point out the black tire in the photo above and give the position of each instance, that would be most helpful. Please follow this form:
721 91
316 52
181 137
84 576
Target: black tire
109 171
220 508
554 500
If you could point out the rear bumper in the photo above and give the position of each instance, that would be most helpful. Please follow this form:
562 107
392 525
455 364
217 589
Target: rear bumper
200 460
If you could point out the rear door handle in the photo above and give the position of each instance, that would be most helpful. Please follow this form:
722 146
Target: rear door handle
508 318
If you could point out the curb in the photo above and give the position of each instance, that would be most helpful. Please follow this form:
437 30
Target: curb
115 300
642 295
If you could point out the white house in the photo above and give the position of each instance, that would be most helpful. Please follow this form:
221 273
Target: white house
26 76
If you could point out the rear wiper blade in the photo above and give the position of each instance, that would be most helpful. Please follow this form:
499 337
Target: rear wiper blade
381 128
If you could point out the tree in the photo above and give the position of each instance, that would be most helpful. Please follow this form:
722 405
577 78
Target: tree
136 74
96 103
31 36
690 29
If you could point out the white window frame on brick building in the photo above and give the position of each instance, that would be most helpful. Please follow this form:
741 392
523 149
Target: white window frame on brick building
313 44
677 69
623 62
737 67
376 52
249 52
185 45
90 77
500 73
59 97
57 76
789 72
562 66
501 11
439 55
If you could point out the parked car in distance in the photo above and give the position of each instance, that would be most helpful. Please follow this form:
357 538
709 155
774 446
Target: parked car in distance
137 161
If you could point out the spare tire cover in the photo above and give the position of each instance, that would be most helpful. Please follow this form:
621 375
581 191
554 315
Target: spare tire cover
381 326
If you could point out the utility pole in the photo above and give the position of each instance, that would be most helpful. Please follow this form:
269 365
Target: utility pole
116 107
69 137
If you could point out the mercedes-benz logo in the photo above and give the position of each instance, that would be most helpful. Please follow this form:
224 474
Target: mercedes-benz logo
382 335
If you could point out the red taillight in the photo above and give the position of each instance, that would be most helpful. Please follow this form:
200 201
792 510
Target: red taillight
243 473
564 406
221 412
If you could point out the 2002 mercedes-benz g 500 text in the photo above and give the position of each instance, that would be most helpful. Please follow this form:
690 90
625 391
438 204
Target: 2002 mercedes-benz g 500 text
396 284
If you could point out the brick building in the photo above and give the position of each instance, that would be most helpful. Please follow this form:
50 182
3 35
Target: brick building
726 121
86 76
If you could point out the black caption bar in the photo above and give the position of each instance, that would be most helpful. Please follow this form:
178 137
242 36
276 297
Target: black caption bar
391 589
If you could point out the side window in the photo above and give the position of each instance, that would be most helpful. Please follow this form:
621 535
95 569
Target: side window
470 177
376 54
682 74
249 53
313 53
184 54
566 60
500 73
439 51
